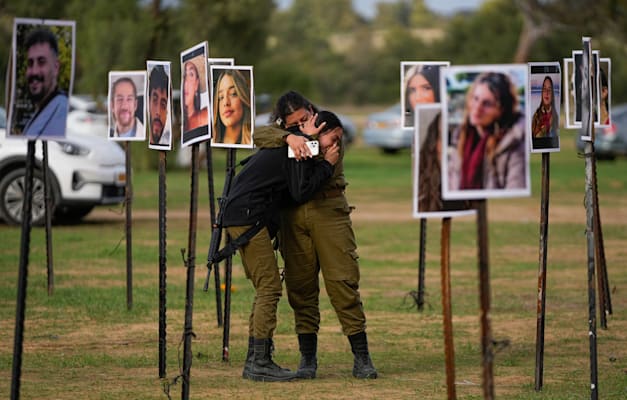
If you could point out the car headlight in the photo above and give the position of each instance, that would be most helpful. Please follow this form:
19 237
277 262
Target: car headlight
73 149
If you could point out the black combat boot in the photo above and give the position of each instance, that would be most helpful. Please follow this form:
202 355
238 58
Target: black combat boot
308 345
362 368
263 368
250 356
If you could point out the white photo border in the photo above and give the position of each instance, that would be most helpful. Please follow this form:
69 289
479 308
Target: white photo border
167 66
12 74
201 133
407 120
248 69
521 81
139 79
545 145
431 111
608 74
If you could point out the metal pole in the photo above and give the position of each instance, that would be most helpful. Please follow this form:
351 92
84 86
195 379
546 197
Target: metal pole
212 213
129 222
49 209
230 160
228 265
162 264
487 350
191 265
445 277
541 301
22 281
420 302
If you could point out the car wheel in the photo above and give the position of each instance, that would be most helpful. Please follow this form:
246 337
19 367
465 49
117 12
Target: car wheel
388 150
71 214
12 197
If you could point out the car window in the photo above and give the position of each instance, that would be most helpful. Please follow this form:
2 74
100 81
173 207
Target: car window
3 118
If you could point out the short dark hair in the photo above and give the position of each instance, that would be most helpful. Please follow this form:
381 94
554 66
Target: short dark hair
331 119
158 79
42 35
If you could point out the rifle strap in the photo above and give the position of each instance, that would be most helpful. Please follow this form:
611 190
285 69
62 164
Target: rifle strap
238 242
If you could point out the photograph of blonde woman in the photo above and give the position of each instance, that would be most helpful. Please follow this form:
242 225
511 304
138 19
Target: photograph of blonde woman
194 95
545 99
421 85
232 92
491 138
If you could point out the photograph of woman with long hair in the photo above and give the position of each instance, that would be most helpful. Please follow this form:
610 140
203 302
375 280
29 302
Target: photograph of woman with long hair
232 111
194 95
428 201
545 96
491 140
421 85
545 120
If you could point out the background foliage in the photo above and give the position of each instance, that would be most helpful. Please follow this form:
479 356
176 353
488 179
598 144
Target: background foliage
324 48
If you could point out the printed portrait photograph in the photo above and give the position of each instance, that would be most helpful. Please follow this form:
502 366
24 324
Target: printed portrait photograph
420 84
578 70
127 106
220 61
232 104
194 95
40 78
605 92
159 105
427 167
570 100
485 132
545 83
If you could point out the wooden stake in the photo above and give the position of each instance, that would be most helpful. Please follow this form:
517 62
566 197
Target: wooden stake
445 277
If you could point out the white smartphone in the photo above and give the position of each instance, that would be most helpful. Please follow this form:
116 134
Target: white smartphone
313 147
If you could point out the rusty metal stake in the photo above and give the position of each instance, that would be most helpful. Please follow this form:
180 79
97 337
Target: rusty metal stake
22 281
230 160
162 262
49 208
191 266
541 301
128 229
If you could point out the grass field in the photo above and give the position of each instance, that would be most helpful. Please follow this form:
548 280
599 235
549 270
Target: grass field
83 343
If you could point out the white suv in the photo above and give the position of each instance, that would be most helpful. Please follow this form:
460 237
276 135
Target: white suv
85 171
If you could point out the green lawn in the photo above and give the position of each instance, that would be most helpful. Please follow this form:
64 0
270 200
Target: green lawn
83 343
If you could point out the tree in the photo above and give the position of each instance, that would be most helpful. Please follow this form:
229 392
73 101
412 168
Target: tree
237 29
488 36
589 17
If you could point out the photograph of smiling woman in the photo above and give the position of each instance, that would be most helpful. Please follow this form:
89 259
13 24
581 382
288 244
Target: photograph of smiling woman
485 128
232 92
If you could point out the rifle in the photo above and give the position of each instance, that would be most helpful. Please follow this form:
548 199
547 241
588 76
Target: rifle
216 228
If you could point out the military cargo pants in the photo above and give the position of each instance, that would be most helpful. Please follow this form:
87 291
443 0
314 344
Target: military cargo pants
318 236
260 266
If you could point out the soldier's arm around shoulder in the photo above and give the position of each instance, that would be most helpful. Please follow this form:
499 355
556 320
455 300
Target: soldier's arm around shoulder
269 137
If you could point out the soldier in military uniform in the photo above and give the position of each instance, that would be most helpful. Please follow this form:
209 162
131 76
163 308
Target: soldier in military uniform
318 236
